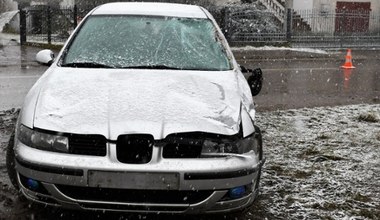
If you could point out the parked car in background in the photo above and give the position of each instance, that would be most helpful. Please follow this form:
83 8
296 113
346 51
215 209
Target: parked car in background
144 110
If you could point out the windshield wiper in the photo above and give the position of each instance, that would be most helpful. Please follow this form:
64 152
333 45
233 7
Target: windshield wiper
161 67
87 65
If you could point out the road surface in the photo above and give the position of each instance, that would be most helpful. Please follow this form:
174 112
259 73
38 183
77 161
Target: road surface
18 73
291 79
303 179
296 80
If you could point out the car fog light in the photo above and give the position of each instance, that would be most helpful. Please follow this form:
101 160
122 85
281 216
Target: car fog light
237 192
32 184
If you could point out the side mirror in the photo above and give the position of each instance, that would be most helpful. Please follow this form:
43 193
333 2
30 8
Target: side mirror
45 57
255 80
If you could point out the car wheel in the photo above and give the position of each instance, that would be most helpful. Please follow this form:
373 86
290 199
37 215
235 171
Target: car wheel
11 163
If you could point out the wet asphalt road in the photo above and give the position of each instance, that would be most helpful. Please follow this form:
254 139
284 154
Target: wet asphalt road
296 80
291 79
18 73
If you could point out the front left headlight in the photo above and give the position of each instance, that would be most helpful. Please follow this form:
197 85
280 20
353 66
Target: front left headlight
43 140
225 146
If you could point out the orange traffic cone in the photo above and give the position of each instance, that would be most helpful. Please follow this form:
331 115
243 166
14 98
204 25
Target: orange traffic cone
348 63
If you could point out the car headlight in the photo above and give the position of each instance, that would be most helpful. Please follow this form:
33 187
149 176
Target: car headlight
239 146
42 140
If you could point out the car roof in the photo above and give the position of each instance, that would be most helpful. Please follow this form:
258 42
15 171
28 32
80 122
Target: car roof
152 9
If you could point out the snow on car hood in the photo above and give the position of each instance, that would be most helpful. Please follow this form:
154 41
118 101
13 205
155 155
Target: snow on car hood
157 102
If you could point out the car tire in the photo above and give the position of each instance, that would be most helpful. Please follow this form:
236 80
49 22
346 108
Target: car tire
259 138
11 162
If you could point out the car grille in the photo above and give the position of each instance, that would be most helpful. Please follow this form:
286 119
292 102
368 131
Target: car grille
138 148
132 208
134 148
94 145
134 196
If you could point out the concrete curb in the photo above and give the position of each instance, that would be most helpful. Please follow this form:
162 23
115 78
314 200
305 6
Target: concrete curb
282 54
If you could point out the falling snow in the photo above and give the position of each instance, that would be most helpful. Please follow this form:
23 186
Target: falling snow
322 163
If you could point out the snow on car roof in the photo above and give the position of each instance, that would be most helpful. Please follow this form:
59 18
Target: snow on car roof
155 9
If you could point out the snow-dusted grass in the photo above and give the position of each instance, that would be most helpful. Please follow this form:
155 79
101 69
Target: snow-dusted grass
6 17
322 163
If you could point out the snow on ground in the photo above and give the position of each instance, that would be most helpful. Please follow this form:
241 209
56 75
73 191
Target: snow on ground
271 48
7 193
6 17
322 163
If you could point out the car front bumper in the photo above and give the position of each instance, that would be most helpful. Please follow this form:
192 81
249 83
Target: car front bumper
188 186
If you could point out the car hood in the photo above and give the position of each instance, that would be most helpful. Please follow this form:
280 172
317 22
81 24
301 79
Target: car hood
157 102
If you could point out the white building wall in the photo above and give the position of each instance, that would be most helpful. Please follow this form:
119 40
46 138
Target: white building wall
303 4
327 23
318 4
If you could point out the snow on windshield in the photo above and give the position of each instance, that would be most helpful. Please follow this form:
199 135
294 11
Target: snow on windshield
140 41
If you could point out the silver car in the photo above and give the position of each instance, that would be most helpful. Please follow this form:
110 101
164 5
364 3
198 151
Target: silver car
144 110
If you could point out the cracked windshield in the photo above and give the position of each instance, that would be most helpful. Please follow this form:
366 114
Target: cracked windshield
142 41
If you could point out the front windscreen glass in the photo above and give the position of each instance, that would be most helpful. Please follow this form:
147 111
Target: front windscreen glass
147 42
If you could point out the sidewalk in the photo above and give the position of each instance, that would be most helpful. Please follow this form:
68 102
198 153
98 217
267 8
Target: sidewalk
12 54
285 53
240 53
5 39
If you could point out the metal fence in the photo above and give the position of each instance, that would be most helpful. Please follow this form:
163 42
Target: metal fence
53 24
241 26
314 28
309 28
45 24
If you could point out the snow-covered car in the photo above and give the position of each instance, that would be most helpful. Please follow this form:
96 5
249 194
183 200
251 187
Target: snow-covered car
144 110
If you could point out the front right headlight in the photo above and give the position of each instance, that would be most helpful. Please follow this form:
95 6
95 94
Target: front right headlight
43 140
226 146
